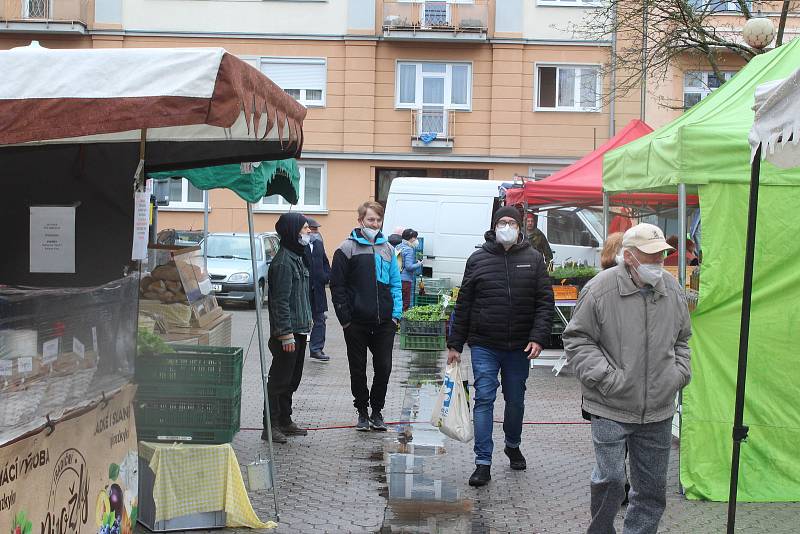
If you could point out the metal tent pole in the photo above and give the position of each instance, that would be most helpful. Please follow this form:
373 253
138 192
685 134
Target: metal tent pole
739 429
682 282
262 355
606 214
205 230
682 235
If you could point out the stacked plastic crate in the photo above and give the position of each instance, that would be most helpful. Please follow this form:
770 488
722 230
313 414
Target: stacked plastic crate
192 395
431 290
423 335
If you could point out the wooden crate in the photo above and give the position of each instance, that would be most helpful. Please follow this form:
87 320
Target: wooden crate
565 292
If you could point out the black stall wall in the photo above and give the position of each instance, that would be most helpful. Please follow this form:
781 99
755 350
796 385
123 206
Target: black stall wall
99 177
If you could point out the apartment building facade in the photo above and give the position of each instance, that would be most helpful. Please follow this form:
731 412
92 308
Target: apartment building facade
439 88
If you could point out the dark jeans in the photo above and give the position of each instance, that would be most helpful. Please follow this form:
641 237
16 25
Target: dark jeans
284 378
648 448
317 342
408 288
379 339
513 368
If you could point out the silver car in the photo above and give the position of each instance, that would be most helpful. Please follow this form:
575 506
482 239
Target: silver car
230 267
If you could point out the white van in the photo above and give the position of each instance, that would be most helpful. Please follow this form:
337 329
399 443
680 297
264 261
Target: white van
451 215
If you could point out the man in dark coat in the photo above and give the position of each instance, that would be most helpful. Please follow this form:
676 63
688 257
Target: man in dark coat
320 269
505 312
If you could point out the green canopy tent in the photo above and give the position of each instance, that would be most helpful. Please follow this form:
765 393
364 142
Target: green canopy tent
251 181
706 151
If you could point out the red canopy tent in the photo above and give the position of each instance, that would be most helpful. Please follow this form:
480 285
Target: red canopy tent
581 184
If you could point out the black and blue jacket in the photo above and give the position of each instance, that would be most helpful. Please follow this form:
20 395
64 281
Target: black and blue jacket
365 281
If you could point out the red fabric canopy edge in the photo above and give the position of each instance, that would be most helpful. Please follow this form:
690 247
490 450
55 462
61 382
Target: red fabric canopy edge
581 184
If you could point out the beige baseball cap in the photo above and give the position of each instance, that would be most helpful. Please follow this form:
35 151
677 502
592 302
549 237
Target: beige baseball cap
646 237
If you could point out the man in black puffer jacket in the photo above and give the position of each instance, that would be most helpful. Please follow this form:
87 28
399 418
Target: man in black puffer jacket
505 312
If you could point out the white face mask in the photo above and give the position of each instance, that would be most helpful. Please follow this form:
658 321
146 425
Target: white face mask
507 235
649 273
304 239
369 233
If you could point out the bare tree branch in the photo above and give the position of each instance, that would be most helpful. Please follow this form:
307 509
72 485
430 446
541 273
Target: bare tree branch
674 29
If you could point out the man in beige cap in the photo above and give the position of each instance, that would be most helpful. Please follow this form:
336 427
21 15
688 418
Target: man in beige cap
628 343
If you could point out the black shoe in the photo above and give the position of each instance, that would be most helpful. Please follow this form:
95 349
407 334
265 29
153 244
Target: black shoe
363 422
517 460
293 430
376 421
277 435
320 356
481 476
627 490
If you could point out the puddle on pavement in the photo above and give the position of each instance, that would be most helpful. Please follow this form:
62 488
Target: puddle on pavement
421 497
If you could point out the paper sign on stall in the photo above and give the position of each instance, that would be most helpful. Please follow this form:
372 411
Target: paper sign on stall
52 239
78 349
141 223
24 365
50 351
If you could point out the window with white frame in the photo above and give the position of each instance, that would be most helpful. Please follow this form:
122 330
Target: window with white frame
182 194
539 174
719 6
313 191
434 85
699 84
557 3
302 78
567 88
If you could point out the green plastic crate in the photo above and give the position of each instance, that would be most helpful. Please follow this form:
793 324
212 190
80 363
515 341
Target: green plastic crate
191 364
188 417
435 286
430 328
205 436
179 390
415 342
426 300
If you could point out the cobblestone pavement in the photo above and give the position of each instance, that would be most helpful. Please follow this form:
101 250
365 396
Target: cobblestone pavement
411 479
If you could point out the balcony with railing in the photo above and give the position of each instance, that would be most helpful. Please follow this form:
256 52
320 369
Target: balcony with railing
45 16
436 19
433 128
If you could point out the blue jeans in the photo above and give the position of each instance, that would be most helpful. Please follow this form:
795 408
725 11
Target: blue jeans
648 450
317 342
514 368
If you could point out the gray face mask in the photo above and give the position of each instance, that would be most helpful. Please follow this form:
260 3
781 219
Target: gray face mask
369 233
304 239
507 235
316 237
649 273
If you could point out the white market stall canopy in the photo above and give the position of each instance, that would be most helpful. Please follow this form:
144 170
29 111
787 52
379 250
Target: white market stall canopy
777 122
200 106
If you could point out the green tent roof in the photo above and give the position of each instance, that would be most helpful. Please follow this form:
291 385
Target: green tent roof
251 182
708 143
707 148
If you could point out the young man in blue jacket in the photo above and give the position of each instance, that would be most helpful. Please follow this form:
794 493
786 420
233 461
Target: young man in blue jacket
367 299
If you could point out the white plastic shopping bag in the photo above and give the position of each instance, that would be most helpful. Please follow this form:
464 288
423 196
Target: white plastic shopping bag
451 410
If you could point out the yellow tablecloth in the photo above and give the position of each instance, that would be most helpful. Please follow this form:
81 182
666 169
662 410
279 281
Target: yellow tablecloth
192 479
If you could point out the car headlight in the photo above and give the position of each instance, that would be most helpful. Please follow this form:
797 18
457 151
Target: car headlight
239 278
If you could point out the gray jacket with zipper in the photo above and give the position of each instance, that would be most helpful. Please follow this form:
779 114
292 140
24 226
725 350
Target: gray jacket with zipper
629 348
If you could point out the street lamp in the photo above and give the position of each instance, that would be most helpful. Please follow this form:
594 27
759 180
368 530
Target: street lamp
758 32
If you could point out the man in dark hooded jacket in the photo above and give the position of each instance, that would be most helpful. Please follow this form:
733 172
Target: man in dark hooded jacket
290 322
505 312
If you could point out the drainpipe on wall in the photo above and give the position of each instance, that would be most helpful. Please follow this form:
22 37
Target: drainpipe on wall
612 95
644 61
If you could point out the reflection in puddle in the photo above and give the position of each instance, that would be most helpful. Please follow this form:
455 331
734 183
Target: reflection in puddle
422 498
